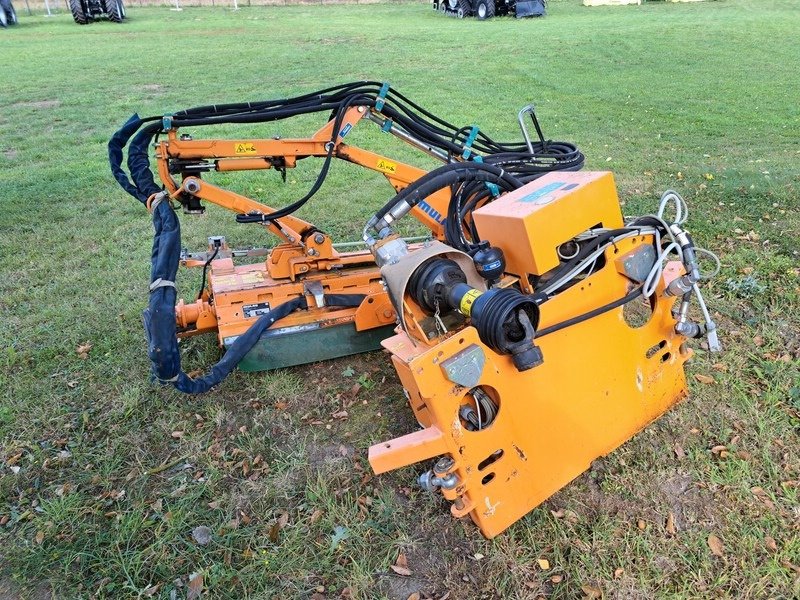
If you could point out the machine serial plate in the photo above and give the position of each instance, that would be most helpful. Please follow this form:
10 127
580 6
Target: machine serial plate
255 310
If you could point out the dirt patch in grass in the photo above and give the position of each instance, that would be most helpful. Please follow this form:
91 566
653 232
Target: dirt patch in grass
38 104
10 590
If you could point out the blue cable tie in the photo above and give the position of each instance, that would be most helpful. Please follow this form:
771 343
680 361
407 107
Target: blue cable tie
166 122
382 96
387 126
489 185
468 144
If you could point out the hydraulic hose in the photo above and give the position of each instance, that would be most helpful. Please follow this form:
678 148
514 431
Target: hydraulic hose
513 157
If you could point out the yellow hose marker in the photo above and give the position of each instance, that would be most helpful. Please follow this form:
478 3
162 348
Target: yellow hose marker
467 300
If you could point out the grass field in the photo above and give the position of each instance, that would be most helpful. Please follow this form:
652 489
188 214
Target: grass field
104 476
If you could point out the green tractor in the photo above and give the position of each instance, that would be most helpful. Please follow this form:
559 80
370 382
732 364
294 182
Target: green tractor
486 9
84 11
8 16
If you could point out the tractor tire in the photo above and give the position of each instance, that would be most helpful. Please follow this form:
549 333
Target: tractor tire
122 10
3 18
484 9
78 12
10 14
463 9
113 9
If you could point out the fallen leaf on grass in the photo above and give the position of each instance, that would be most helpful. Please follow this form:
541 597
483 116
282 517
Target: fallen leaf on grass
316 516
83 350
707 379
401 570
152 590
414 596
177 434
401 561
618 572
276 527
770 543
39 537
202 535
339 534
679 453
556 579
641 524
717 549
787 565
477 556
544 564
195 589
720 450
592 591
670 526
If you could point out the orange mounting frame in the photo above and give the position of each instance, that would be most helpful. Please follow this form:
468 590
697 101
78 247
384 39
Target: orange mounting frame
602 379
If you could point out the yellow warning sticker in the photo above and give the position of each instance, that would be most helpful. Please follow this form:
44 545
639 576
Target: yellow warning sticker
255 277
386 166
467 300
244 148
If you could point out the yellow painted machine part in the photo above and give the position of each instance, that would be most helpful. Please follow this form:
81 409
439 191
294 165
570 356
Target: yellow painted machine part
601 382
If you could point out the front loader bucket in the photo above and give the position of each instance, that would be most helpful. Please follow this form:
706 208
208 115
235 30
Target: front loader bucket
529 8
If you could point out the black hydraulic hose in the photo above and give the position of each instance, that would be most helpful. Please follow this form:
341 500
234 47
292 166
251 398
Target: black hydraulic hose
513 157
591 314
287 210
446 176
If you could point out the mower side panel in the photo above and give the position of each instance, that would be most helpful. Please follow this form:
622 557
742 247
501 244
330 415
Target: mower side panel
291 346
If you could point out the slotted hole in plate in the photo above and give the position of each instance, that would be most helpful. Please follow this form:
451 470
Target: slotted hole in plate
653 350
491 459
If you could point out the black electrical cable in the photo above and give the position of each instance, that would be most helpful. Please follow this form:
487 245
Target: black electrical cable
205 268
591 314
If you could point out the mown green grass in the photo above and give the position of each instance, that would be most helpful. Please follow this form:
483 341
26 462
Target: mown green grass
701 97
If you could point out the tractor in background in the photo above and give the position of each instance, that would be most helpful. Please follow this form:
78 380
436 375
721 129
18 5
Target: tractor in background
486 9
8 16
84 11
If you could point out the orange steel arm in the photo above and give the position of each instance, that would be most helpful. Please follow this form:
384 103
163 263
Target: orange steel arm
256 154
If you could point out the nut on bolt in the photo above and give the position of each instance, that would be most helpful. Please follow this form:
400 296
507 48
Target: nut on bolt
319 238
439 476
443 465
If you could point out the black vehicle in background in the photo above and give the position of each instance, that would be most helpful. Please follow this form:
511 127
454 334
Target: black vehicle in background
84 11
486 9
8 16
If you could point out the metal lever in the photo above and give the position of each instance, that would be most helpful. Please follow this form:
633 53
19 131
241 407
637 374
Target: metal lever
530 110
